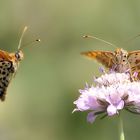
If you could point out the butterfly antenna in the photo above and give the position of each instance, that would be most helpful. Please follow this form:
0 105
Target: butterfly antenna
93 37
29 43
131 39
20 41
23 32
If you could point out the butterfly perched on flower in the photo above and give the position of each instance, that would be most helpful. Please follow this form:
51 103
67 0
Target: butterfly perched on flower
120 60
9 63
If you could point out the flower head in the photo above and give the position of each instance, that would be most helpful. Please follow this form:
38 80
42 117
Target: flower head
112 93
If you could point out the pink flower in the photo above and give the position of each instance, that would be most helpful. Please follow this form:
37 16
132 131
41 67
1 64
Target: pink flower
111 93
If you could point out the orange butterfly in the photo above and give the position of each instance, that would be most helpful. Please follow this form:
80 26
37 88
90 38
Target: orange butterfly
120 60
9 63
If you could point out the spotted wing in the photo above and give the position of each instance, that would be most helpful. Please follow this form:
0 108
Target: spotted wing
6 72
106 58
134 61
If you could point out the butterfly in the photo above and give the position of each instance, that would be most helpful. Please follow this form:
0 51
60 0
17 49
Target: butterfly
9 63
120 60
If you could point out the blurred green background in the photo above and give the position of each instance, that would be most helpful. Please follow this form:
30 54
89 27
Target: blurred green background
40 98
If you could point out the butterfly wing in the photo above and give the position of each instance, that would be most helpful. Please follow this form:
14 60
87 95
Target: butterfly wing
6 72
104 57
5 55
134 61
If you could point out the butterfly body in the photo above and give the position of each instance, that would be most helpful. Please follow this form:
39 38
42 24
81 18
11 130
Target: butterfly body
9 63
120 60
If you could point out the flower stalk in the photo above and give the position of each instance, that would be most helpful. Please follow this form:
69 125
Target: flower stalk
121 132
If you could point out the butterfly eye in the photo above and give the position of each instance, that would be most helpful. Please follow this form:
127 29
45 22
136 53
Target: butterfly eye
19 55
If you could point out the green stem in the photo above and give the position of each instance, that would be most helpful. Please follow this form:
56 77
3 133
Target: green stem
121 132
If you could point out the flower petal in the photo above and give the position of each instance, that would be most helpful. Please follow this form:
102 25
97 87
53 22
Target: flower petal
120 105
111 110
91 117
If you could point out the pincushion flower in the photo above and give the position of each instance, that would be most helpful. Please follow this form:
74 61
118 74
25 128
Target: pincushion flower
110 94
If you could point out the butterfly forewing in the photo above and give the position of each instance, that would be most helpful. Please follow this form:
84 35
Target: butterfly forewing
104 57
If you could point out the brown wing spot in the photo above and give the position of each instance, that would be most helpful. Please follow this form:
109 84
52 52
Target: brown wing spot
4 78
137 61
3 63
138 67
4 84
3 73
1 93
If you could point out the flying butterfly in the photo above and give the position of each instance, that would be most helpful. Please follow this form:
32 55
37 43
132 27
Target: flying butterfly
120 60
9 63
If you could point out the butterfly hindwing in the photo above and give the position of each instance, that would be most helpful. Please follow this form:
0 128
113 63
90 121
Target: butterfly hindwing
134 61
6 72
